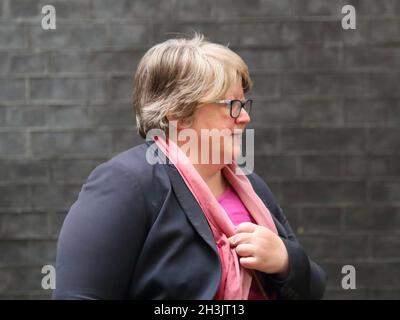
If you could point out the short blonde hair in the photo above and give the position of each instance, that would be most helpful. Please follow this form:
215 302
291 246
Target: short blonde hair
176 76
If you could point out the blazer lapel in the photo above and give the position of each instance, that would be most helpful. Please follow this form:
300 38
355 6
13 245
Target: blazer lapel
190 206
280 228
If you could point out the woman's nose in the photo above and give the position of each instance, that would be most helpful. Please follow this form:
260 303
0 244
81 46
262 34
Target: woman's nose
244 117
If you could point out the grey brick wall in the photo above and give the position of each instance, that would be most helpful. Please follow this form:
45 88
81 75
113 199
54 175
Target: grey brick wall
326 120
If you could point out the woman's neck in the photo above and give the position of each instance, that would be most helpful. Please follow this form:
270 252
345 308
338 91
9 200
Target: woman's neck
211 174
213 177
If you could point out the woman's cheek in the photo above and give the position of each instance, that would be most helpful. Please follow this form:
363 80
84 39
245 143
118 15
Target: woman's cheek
231 149
237 146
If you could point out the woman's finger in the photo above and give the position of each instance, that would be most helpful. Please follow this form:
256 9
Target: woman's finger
245 250
248 262
240 238
246 227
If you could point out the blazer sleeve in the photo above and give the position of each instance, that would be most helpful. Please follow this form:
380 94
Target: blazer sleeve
101 237
306 279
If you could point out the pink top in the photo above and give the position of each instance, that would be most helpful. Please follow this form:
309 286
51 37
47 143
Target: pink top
238 213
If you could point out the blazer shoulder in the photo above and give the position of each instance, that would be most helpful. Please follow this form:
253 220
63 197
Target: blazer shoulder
133 159
151 179
135 163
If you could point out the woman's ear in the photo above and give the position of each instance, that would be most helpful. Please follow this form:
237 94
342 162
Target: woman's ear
184 124
171 119
180 124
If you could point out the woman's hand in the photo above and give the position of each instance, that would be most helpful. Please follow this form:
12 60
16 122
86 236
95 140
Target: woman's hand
261 249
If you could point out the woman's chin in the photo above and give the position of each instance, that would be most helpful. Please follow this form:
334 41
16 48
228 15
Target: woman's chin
230 156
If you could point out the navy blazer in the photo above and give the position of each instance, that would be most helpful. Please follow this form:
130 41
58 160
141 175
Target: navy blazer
136 232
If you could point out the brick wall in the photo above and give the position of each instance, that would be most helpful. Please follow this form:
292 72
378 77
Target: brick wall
326 120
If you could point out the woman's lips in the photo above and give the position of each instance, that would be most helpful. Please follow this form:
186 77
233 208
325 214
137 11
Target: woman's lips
237 131
239 134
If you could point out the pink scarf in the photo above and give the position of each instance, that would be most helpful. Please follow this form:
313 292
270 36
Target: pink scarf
236 280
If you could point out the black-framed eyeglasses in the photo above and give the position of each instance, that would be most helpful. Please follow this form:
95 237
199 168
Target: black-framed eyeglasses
236 106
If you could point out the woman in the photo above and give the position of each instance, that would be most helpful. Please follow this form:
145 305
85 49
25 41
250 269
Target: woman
190 225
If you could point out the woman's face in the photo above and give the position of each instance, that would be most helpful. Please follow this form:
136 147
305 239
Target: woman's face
220 134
